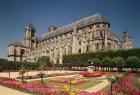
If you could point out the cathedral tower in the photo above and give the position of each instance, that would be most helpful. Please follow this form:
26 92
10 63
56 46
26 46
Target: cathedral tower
29 36
127 41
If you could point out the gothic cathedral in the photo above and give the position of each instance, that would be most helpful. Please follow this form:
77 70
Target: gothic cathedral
90 34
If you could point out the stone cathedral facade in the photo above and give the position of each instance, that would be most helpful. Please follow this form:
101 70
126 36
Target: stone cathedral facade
90 34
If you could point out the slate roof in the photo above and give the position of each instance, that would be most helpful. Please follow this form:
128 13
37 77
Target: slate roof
17 43
79 24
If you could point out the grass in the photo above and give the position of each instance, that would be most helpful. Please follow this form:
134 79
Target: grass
90 83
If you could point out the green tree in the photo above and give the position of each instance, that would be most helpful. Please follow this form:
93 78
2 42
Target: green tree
106 62
44 60
132 62
41 75
96 63
119 63
111 79
22 72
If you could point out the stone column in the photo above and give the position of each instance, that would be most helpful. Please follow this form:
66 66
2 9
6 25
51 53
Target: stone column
60 55
67 50
105 41
83 47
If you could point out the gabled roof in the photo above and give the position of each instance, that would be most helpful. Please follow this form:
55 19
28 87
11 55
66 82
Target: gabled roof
79 24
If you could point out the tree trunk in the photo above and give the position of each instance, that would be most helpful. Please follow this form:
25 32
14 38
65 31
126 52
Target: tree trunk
112 68
121 69
103 69
111 89
95 68
47 71
42 80
9 74
108 68
27 72
22 79
132 69
118 70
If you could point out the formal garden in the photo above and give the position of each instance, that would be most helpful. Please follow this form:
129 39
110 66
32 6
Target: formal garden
99 73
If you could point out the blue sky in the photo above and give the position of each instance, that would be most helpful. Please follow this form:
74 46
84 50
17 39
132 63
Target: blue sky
15 15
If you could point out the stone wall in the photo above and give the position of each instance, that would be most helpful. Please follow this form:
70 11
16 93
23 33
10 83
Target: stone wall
86 39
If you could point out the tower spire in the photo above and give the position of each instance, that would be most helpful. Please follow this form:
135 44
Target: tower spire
127 40
29 38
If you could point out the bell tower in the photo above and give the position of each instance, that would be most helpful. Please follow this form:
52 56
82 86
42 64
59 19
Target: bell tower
127 41
29 36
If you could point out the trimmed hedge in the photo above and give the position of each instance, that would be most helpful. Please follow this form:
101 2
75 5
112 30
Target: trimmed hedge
45 60
13 65
82 59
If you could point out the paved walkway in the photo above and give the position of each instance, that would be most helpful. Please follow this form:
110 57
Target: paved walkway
9 91
99 86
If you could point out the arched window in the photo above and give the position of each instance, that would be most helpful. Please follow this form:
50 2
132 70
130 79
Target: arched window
22 51
15 52
108 46
80 43
79 50
64 51
97 46
87 48
70 50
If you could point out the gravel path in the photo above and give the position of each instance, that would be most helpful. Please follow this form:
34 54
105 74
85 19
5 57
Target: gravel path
99 86
67 76
16 74
9 91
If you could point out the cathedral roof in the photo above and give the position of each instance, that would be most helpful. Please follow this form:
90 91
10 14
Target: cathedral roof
17 43
79 24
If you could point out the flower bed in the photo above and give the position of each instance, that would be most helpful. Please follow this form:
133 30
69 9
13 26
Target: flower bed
9 71
32 87
74 81
43 89
92 74
125 86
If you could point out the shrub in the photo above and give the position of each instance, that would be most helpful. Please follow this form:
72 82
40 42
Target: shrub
119 62
82 58
132 62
